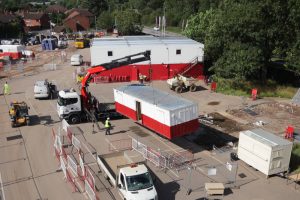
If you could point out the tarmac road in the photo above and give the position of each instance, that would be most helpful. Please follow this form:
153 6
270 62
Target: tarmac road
28 166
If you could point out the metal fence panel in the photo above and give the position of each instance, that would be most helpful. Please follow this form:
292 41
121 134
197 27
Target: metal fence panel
90 192
76 143
63 166
90 178
72 165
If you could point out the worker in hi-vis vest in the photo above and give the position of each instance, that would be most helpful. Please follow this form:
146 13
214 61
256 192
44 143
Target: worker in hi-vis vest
6 89
107 125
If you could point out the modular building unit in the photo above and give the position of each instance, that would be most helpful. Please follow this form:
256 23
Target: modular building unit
169 55
168 115
14 51
264 151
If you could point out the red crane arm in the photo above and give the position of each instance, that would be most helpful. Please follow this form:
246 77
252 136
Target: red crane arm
94 70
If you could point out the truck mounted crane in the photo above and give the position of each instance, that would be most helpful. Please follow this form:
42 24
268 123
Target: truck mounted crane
76 108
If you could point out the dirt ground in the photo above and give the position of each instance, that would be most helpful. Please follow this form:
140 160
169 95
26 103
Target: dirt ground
41 57
275 116
218 130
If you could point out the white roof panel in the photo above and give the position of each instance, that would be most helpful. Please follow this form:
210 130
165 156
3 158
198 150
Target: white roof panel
144 40
266 137
159 98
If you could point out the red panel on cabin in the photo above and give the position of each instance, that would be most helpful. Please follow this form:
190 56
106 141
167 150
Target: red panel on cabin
128 112
159 71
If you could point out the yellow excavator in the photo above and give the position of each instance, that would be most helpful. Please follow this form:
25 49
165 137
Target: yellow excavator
18 113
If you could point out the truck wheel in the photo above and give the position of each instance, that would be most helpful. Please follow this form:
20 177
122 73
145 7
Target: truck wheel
178 89
193 88
171 87
74 119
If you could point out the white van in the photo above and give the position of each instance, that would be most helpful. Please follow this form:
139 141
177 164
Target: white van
76 59
44 89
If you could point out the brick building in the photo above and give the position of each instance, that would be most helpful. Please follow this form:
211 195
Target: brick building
78 19
34 21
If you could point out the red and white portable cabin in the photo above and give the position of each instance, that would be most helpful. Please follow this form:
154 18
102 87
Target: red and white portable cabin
168 115
169 56
13 51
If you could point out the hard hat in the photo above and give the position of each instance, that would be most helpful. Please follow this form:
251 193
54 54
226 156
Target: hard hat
108 118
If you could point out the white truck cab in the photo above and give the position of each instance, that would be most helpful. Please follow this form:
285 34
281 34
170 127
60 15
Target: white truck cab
69 105
133 180
135 183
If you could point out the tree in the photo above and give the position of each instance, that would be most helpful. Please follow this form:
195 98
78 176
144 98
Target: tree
129 22
95 6
262 29
105 20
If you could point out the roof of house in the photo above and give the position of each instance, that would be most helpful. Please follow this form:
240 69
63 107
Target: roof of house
29 15
78 11
7 17
55 9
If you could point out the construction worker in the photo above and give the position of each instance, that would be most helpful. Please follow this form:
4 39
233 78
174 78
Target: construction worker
107 126
6 89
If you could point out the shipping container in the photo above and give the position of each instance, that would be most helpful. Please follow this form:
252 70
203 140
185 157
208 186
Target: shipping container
264 151
169 56
168 115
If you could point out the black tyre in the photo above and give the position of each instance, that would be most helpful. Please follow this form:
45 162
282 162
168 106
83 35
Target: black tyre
178 89
74 119
193 88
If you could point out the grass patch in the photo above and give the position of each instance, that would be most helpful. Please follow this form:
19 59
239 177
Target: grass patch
244 88
174 29
295 159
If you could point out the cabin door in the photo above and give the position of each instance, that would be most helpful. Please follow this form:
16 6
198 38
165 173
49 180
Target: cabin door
138 111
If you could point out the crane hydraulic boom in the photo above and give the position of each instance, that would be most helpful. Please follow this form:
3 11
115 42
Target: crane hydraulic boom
97 69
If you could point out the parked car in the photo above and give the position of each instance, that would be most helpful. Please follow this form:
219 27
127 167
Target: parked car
76 59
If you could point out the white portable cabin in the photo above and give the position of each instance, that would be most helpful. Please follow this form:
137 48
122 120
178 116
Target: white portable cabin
264 151
164 50
168 115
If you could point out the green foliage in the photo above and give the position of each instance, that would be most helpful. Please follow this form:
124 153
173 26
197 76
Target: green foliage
239 60
241 37
129 22
57 18
295 159
95 6
240 87
105 20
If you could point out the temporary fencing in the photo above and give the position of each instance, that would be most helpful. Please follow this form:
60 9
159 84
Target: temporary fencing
75 170
176 160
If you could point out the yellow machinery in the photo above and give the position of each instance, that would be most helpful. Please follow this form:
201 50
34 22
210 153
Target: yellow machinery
81 43
18 113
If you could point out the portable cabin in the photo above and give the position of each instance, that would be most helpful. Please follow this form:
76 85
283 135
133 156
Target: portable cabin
169 56
168 115
266 152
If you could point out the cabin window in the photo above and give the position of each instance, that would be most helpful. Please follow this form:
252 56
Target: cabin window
178 51
110 53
